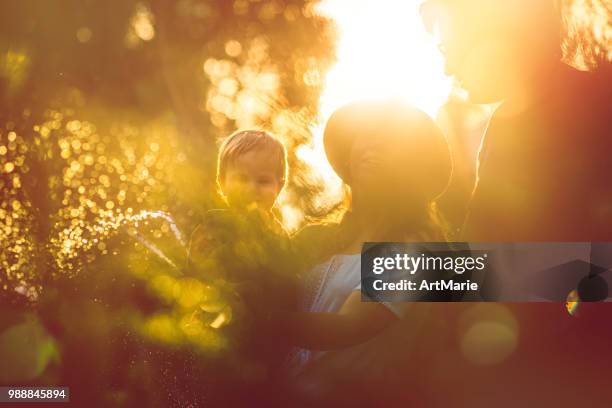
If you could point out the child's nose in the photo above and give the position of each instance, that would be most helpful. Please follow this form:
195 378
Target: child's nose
253 187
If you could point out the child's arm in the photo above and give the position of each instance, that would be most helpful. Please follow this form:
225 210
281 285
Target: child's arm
356 322
199 245
215 228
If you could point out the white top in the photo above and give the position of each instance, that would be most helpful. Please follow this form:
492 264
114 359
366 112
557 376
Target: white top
326 287
329 284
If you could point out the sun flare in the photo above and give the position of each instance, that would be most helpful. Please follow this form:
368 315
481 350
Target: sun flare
383 52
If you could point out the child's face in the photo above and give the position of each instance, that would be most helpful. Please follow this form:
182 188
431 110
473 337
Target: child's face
252 178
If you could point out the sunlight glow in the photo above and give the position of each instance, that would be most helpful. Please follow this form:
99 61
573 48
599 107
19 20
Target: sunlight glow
383 52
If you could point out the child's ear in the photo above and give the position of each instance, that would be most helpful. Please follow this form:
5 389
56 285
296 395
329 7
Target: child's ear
221 191
221 186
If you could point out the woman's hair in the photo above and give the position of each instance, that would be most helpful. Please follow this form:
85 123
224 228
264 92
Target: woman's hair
320 240
245 141
426 223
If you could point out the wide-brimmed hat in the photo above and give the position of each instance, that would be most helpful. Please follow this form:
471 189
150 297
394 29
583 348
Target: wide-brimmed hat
420 141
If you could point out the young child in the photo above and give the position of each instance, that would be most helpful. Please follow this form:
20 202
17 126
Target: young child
244 245
252 169
251 173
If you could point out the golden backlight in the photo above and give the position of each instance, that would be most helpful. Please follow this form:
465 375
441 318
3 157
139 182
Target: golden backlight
383 52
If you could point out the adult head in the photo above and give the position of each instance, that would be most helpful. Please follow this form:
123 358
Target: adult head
495 47
393 156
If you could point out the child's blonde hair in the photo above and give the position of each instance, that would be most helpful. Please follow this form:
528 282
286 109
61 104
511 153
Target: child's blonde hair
244 141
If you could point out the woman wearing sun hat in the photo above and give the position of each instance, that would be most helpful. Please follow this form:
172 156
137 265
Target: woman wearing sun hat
396 162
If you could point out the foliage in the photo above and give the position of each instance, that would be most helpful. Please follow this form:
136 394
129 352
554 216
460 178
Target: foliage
110 113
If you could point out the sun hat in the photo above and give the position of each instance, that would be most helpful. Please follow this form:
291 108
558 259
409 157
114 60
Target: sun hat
426 162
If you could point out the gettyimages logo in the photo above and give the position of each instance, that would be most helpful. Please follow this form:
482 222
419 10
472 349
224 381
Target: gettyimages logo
421 272
430 262
460 271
